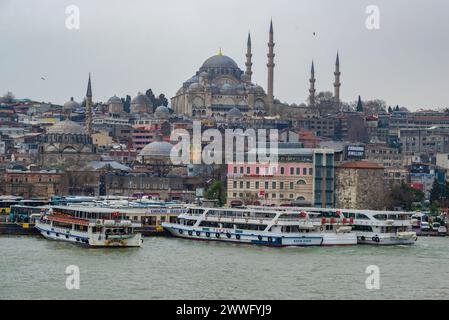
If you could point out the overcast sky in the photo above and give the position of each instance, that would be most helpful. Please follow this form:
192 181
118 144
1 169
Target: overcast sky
132 45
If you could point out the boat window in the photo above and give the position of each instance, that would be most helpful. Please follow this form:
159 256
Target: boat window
380 216
361 216
362 228
248 226
212 224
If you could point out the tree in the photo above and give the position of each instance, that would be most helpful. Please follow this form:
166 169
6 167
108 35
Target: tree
216 191
405 196
126 103
359 107
9 97
390 110
163 100
326 104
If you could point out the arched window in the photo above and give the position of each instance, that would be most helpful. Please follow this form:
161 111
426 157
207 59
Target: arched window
301 182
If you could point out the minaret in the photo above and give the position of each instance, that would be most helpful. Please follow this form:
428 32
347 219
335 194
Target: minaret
337 83
312 86
88 114
270 66
249 55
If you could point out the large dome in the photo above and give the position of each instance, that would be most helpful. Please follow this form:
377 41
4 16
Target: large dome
66 127
219 61
159 149
71 105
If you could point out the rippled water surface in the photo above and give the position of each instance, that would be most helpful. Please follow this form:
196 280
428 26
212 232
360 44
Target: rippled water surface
169 268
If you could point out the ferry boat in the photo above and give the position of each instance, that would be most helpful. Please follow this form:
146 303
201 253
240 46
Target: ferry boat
371 227
93 227
260 227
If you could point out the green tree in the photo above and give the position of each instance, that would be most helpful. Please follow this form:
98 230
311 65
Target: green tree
405 196
216 191
126 103
359 107
390 110
163 100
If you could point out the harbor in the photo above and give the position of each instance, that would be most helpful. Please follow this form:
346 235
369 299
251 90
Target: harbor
172 268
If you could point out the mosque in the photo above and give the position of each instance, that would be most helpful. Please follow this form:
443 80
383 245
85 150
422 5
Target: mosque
221 89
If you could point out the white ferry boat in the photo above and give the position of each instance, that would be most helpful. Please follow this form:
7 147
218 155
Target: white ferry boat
261 227
94 227
372 227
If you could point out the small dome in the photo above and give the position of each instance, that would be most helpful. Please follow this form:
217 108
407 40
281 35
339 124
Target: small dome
257 89
141 99
66 127
71 105
234 113
115 99
162 112
160 149
219 61
195 86
192 79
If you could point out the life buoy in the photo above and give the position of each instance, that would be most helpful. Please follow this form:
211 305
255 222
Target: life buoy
217 235
198 233
180 231
362 238
190 232
237 236
321 228
270 239
260 238
228 235
208 234
375 239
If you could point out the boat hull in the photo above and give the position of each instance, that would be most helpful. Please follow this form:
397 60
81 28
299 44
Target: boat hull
85 239
384 239
258 238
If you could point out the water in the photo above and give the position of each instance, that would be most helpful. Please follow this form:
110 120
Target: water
170 268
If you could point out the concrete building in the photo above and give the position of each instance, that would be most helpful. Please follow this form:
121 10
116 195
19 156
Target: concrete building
359 185
384 155
301 177
30 184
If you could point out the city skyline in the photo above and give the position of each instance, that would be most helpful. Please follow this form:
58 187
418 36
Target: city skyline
128 54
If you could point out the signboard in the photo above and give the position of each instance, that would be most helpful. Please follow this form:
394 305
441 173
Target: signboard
355 152
261 193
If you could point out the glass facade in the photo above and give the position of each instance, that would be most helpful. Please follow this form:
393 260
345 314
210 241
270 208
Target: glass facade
324 179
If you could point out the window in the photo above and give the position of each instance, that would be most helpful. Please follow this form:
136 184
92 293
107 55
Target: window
241 184
234 184
248 170
257 184
298 171
266 185
282 170
304 171
291 185
273 185
241 170
257 170
292 171
235 169
281 185
247 184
